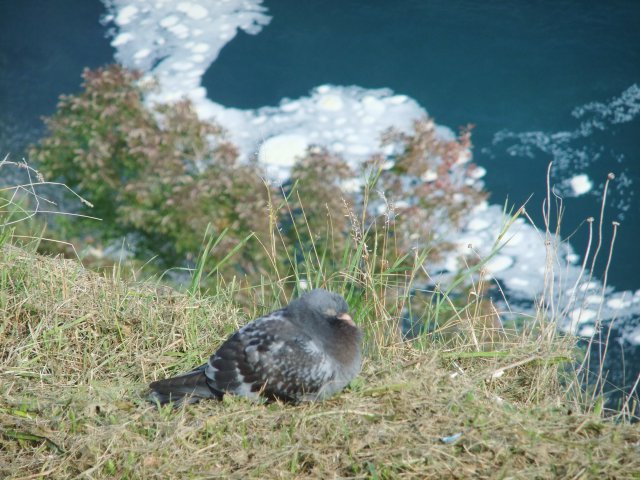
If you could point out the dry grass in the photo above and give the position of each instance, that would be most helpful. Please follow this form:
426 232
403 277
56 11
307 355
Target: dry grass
78 349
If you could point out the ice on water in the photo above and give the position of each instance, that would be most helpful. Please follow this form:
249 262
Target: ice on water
567 148
176 42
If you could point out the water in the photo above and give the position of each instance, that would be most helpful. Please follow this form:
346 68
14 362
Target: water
43 49
516 73
521 69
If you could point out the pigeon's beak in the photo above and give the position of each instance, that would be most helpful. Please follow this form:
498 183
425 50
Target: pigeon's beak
345 317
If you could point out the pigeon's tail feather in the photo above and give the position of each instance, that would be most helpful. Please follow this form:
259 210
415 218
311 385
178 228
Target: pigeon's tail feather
187 388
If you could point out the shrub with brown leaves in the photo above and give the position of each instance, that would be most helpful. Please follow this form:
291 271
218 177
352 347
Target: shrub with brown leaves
428 185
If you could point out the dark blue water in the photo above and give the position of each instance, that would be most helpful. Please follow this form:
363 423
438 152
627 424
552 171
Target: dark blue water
517 66
44 47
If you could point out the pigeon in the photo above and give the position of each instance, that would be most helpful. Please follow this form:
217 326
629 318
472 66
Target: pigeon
306 351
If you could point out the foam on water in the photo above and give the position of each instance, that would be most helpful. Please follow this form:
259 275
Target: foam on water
176 42
567 149
580 184
161 38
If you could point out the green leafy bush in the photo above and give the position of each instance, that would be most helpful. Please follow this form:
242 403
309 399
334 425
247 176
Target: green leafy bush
157 175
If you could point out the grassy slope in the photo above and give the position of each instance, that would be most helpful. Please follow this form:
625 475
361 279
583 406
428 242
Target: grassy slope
77 350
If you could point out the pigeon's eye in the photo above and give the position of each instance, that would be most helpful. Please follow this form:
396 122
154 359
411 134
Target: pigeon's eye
345 317
330 312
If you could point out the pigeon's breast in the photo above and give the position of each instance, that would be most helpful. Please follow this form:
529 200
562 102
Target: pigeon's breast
343 359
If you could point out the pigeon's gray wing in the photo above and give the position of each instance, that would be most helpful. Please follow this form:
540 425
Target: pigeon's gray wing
273 358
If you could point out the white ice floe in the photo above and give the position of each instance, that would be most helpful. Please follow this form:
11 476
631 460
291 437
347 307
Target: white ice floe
589 286
581 184
168 22
192 10
519 282
572 258
279 154
464 157
580 315
499 263
429 176
352 185
122 39
587 331
330 102
478 172
594 299
140 54
126 15
618 303
478 224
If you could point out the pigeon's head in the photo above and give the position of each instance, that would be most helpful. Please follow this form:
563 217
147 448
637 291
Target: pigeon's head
323 316
321 303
